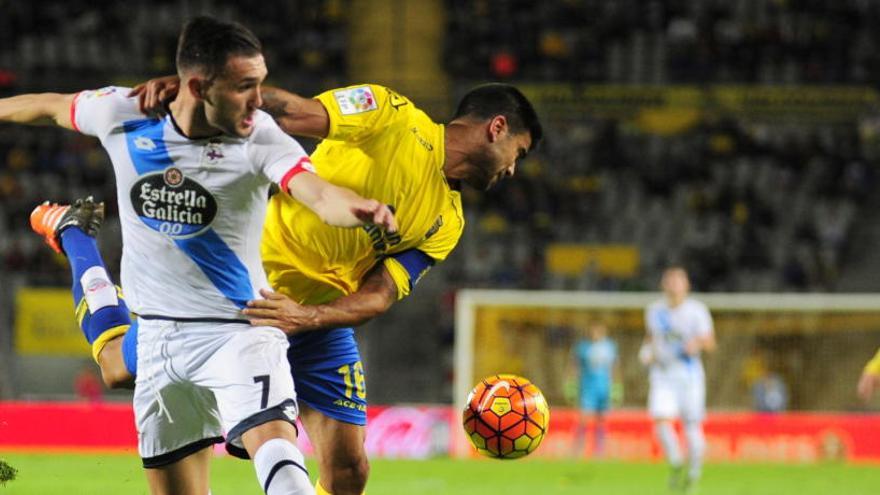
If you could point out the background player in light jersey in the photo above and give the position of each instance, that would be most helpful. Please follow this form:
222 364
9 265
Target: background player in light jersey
329 280
679 329
192 191
595 361
869 382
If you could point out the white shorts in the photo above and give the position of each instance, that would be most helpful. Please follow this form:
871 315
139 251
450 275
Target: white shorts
677 393
197 381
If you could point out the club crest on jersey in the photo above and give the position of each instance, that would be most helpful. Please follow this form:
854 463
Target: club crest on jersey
214 151
173 176
173 204
355 100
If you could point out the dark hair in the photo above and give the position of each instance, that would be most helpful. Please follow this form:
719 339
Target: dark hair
206 44
490 100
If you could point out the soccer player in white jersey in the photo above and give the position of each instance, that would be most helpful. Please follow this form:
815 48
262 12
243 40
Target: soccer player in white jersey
192 190
679 330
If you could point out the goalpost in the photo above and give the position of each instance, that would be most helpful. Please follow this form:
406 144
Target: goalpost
816 343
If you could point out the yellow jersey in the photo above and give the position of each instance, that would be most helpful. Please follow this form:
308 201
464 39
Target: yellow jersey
382 147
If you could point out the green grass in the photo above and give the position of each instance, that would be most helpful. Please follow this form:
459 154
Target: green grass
50 474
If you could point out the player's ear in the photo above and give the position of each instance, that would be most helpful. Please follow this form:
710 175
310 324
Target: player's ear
197 87
497 127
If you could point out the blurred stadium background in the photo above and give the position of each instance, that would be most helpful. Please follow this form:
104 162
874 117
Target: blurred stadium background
738 137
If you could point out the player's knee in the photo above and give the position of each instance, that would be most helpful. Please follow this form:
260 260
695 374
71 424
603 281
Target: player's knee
113 370
348 474
117 379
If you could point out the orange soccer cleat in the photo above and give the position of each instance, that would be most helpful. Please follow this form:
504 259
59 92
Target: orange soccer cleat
50 219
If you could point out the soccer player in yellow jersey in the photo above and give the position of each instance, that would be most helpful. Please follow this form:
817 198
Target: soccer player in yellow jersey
329 280
870 379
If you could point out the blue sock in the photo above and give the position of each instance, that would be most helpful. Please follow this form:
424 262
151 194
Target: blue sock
99 305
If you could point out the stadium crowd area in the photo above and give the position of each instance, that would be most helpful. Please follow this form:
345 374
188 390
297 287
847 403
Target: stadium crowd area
103 39
665 41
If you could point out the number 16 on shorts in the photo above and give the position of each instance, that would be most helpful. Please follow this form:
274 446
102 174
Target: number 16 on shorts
353 376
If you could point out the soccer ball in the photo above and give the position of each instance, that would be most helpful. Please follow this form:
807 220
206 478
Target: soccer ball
506 417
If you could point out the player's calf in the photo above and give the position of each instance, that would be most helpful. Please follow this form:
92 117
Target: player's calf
101 311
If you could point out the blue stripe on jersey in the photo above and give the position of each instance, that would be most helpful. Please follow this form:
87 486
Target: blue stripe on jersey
662 320
220 264
146 147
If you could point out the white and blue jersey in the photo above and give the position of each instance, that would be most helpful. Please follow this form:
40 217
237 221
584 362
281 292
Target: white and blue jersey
191 210
670 328
595 361
678 383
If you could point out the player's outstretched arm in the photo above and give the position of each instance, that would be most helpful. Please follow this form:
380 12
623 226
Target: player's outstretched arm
339 206
296 115
376 294
38 109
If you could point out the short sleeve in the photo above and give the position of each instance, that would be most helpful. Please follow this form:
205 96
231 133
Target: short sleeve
96 112
358 112
444 235
704 320
650 324
279 156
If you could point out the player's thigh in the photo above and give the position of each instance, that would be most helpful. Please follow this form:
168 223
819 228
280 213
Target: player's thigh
251 380
188 476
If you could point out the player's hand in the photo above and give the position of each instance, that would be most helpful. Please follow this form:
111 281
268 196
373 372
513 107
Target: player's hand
154 93
280 311
374 212
692 347
868 384
646 354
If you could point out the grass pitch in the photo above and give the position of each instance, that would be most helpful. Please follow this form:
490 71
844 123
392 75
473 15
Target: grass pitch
65 474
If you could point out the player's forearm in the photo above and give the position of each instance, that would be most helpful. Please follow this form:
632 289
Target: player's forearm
351 311
707 344
296 115
376 295
37 109
336 205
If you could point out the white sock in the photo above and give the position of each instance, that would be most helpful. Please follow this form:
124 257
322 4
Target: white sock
696 442
281 469
669 442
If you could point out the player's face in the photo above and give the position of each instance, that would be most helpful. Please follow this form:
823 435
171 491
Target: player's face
675 283
598 332
496 159
234 95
